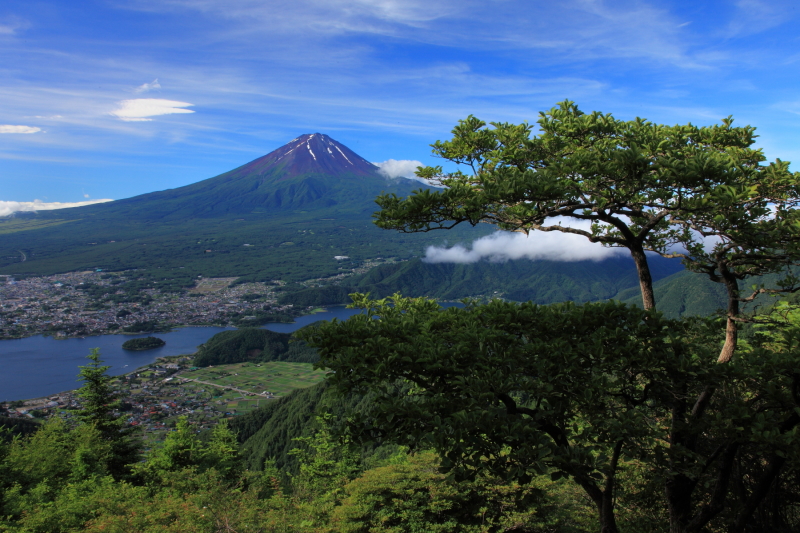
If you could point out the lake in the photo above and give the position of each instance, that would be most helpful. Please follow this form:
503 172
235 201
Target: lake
40 366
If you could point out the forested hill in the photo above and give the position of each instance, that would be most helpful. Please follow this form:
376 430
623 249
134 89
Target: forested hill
522 280
253 344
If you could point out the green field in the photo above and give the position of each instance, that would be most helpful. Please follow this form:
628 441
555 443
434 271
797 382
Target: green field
240 386
277 377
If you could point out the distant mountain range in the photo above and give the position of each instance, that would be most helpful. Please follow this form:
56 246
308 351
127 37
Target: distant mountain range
678 292
288 215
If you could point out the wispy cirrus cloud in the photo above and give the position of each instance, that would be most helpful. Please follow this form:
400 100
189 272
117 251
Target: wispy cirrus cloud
141 109
8 128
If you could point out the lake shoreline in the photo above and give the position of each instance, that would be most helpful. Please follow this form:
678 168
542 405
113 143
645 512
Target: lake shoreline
40 366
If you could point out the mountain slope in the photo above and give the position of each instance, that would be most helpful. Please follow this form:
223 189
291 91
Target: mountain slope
522 280
311 172
285 215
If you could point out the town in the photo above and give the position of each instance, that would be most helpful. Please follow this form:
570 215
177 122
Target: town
81 304
153 397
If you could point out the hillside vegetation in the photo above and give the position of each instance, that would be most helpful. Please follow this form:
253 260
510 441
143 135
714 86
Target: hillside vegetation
253 344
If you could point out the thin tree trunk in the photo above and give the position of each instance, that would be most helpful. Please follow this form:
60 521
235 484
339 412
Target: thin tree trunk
731 328
603 500
645 278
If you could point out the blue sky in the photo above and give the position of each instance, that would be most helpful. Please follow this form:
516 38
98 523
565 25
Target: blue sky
114 98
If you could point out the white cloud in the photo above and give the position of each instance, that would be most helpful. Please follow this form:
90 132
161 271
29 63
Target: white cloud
140 109
404 168
504 246
148 86
9 207
7 128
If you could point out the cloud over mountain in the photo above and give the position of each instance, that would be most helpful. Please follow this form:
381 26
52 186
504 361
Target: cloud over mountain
503 246
9 207
404 168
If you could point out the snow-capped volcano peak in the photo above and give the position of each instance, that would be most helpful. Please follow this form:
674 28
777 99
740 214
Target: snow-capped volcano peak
315 153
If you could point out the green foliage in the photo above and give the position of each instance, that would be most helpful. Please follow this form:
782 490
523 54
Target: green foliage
268 433
252 344
182 449
325 463
517 390
143 343
414 496
16 426
100 409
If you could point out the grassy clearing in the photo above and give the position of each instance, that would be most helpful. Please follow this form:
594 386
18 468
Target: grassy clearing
208 285
276 377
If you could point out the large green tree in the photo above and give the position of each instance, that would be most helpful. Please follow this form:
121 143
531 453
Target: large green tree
589 392
641 186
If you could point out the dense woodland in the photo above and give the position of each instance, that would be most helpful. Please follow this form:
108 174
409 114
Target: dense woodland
253 344
143 343
499 416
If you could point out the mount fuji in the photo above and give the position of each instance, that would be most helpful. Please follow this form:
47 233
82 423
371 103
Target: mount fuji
285 215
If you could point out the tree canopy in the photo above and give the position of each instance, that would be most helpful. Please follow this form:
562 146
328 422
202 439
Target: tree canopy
588 392
704 194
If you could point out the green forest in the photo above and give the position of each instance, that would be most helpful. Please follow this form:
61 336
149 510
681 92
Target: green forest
143 343
498 415
253 344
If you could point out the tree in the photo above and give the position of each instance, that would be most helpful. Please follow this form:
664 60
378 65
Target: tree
182 449
642 186
99 404
755 226
517 390
98 400
415 496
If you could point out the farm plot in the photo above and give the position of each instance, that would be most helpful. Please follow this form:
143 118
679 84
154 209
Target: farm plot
274 378
208 285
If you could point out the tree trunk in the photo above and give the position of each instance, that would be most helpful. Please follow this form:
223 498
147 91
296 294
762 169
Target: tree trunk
678 488
731 328
645 279
603 500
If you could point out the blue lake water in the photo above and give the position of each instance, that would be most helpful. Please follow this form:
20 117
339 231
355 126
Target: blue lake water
40 366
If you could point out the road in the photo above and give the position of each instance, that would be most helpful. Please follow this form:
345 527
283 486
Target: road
24 257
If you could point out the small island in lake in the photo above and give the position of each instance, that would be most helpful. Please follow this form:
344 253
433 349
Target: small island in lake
144 343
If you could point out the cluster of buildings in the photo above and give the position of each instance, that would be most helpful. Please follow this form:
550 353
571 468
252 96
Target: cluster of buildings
150 400
58 306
